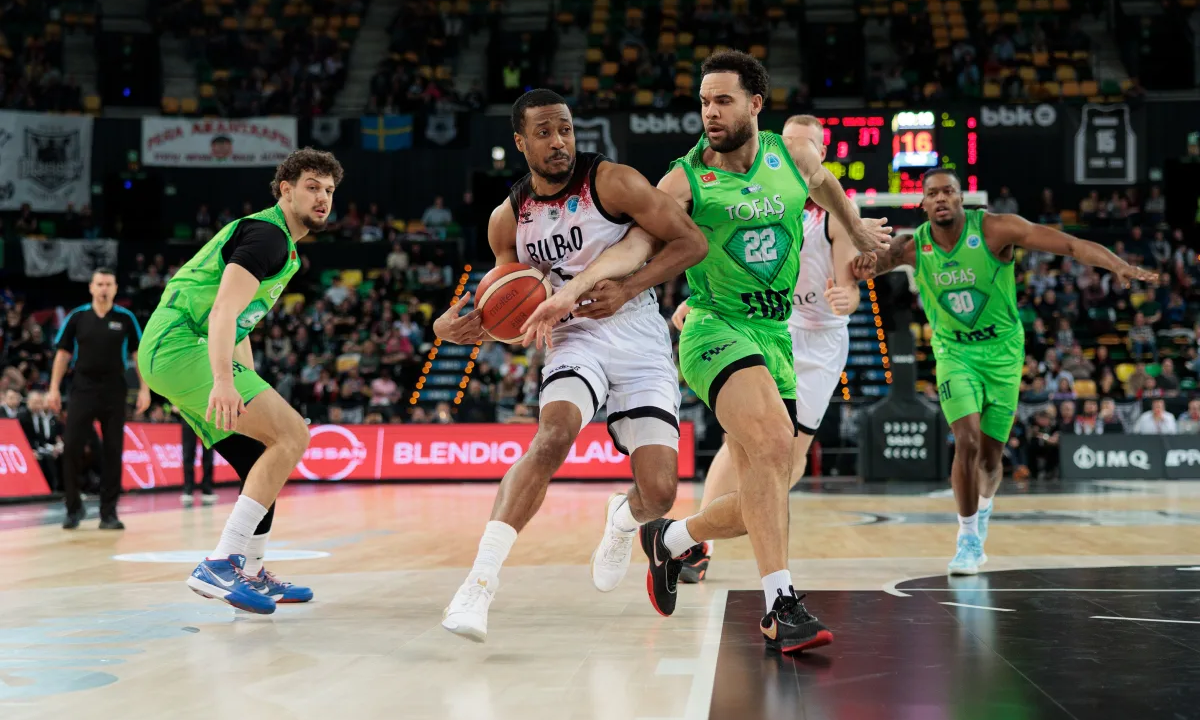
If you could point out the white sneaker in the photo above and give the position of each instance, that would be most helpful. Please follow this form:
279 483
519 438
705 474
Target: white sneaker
611 558
466 615
186 499
208 498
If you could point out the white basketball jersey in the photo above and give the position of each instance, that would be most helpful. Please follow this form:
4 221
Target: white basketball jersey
810 310
562 234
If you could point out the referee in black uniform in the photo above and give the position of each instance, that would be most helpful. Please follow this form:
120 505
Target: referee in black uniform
101 338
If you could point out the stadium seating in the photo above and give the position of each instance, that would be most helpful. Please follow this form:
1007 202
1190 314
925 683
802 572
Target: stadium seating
31 55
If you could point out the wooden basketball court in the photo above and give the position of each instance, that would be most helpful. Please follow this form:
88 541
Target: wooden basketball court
1090 609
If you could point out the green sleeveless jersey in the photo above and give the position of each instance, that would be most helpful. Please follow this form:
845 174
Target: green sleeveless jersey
194 288
754 225
970 296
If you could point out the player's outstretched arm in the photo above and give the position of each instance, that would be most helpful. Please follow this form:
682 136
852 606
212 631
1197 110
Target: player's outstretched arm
867 234
902 251
841 291
467 329
1016 230
660 213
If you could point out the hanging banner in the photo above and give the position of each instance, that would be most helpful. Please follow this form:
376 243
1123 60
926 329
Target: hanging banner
1105 146
45 161
77 258
217 143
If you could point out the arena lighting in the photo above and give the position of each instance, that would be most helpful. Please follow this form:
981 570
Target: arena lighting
497 154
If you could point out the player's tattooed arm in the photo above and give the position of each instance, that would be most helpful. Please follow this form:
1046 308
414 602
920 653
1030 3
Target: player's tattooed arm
867 234
660 213
903 251
453 326
1004 229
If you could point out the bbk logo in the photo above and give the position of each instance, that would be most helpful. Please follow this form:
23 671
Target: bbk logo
1183 458
757 208
954 277
689 124
1041 116
1086 458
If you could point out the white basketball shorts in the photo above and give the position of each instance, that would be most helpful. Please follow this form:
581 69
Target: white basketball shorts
820 357
626 362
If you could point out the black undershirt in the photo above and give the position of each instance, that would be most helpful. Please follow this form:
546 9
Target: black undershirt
258 246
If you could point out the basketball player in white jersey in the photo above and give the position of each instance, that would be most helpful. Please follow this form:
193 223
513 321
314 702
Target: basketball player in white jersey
826 294
568 217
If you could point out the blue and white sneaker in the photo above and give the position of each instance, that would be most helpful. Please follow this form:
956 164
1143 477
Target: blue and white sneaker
984 516
969 556
280 591
224 580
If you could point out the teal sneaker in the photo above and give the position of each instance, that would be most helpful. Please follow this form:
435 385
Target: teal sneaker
984 516
969 556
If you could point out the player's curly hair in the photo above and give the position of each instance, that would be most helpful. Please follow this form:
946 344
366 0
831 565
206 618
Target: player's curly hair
751 73
317 162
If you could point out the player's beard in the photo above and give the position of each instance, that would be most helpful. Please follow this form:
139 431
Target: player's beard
558 177
313 223
735 137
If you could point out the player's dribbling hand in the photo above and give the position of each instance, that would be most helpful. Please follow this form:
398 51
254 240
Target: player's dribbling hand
843 300
863 266
680 314
604 300
1128 272
539 327
224 405
871 234
460 329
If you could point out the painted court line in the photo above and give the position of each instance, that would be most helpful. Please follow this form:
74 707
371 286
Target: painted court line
700 698
978 607
1044 590
1180 622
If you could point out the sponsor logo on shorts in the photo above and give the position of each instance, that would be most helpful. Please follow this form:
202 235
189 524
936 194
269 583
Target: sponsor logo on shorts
987 333
711 353
772 161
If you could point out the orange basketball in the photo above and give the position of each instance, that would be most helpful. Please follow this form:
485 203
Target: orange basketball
507 296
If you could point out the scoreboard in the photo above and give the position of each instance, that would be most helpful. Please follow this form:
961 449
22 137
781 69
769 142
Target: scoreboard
887 153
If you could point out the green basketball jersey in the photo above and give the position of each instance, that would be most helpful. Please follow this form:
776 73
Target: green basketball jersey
194 288
754 225
970 296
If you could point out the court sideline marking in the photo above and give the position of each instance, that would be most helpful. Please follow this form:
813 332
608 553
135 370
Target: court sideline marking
978 607
1181 622
703 668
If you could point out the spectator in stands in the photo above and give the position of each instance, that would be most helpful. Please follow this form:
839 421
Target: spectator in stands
1088 422
1155 208
1141 338
1167 380
1108 417
1043 444
1067 417
1156 420
1048 214
1077 365
1065 338
1064 389
1189 421
44 432
338 293
11 404
436 215
1004 202
1090 207
27 223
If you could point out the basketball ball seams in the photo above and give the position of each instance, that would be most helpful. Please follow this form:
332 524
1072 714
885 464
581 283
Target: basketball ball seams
503 280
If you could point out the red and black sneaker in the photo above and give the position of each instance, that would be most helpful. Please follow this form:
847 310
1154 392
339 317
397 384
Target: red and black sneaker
789 627
695 564
663 576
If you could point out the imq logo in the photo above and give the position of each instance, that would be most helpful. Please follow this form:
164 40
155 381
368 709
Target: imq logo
653 124
1018 116
1086 458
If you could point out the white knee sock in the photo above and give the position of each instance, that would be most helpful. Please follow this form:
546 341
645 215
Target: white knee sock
968 525
497 540
775 583
984 503
623 519
239 528
677 539
712 547
255 551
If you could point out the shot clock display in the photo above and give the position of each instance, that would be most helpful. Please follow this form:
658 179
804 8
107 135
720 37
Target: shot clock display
888 153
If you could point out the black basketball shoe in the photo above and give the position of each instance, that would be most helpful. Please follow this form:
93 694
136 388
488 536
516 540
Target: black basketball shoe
663 575
789 627
695 564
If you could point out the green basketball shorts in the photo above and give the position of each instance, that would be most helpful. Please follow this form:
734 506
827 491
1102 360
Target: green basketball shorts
173 360
712 348
981 379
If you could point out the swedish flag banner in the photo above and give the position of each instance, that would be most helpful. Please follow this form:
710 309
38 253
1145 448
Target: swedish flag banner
385 133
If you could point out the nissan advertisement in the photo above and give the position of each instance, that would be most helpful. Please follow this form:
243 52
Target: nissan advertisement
153 457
